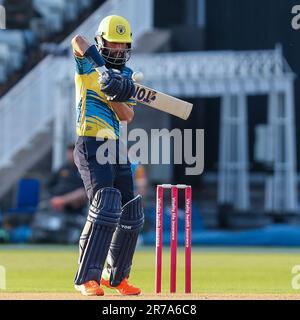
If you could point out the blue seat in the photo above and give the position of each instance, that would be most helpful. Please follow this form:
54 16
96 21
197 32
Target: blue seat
28 196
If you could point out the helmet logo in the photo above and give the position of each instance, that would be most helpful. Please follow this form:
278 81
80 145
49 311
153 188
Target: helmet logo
120 29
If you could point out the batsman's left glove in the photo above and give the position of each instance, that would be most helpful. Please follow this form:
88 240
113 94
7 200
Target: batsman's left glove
126 92
110 82
116 86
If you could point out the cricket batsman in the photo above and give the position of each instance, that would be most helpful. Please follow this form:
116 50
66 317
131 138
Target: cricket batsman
115 216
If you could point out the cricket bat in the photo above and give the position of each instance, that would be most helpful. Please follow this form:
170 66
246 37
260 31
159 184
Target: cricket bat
161 101
155 99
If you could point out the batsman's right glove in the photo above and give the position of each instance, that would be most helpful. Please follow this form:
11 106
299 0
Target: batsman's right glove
116 86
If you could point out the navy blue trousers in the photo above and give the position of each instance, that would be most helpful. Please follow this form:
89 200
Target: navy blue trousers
96 176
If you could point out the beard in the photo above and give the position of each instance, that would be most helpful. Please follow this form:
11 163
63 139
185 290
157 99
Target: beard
110 65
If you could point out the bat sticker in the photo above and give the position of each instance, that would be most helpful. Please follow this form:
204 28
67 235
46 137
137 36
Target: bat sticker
144 95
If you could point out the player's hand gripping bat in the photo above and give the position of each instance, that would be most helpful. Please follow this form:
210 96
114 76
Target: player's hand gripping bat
145 95
159 100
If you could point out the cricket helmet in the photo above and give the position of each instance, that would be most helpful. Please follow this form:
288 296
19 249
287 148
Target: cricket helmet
114 29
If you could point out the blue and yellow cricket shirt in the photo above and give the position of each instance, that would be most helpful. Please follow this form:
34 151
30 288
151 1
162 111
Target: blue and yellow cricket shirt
94 114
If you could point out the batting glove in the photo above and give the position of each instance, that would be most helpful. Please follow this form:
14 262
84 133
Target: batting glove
110 82
118 87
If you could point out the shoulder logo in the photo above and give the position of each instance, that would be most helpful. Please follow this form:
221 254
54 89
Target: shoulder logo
120 29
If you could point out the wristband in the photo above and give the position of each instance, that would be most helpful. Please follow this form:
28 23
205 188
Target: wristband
94 57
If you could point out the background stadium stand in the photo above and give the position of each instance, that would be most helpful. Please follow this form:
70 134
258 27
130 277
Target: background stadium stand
30 23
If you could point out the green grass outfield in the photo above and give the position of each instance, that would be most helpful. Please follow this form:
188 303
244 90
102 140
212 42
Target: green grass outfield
215 270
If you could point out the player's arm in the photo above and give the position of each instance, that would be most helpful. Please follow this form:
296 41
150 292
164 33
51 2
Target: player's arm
75 199
82 48
114 85
80 45
123 111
